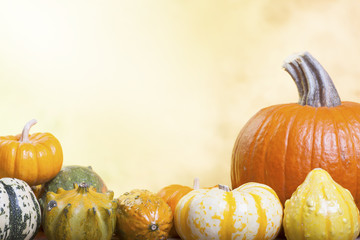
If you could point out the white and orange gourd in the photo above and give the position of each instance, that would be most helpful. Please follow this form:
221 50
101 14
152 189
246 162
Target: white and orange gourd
251 211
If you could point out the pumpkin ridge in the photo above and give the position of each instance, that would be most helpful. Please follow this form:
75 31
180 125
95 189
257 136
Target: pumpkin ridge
234 177
337 130
14 159
6 146
264 128
310 132
49 157
313 139
351 132
36 160
322 142
252 145
270 132
289 128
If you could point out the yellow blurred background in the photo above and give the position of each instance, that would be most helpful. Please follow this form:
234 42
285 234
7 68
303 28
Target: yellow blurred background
151 93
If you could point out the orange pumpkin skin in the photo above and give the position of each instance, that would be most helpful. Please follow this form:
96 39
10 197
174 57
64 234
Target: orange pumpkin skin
172 195
35 160
281 144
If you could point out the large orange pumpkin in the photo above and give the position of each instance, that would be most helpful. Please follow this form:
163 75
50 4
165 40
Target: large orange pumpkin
281 144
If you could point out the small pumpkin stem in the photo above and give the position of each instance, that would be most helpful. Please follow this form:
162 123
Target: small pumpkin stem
224 187
25 133
314 84
83 188
196 183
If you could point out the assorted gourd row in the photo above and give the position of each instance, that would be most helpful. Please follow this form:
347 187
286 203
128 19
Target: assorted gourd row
294 166
318 209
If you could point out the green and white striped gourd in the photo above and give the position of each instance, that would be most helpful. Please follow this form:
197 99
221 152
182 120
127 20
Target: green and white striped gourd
20 215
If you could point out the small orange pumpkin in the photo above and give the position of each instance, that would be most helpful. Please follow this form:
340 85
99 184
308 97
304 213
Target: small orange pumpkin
174 192
172 195
35 158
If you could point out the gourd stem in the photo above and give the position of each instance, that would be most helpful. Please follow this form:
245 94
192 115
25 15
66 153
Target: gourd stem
153 227
25 132
314 84
83 188
224 187
196 183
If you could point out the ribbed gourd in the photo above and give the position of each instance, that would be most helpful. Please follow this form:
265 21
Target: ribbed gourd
252 211
321 209
80 213
20 214
142 215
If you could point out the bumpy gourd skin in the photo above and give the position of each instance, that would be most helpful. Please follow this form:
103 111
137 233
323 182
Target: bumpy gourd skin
321 209
80 214
141 215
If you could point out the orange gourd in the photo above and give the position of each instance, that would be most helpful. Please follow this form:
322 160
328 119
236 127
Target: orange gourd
34 158
142 215
172 194
281 144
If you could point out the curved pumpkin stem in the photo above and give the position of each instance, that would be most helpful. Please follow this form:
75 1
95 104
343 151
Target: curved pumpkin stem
196 183
25 133
314 84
